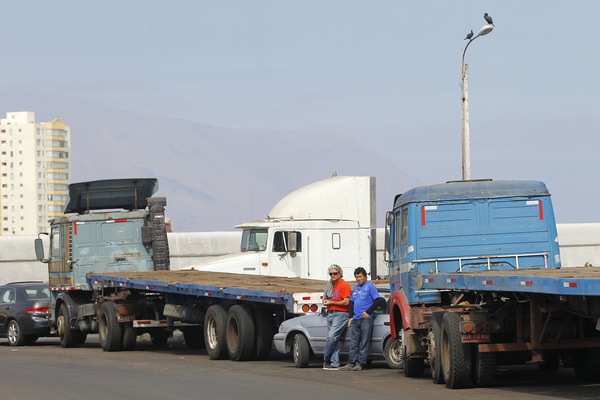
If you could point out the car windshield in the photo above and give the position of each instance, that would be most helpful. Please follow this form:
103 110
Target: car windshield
254 240
38 293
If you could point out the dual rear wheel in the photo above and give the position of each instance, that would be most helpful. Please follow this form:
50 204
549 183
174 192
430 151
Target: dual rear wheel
462 364
240 333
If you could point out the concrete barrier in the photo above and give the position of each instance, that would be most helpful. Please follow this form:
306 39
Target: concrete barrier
579 244
19 263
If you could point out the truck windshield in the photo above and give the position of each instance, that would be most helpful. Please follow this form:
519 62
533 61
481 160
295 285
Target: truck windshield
254 240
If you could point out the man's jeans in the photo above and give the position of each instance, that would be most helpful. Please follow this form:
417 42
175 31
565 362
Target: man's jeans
336 323
360 331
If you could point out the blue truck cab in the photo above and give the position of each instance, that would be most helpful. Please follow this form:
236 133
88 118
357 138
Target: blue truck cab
476 282
469 226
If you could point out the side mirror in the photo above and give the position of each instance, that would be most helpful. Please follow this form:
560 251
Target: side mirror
292 241
389 221
386 253
39 250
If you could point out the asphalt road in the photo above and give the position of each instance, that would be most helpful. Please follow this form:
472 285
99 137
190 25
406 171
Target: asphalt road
45 370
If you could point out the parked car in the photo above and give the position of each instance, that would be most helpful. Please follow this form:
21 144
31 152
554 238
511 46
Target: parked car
305 337
24 312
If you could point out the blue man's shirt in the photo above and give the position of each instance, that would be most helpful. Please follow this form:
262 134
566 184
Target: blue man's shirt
363 297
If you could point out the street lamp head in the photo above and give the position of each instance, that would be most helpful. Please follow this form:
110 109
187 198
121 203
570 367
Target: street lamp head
485 30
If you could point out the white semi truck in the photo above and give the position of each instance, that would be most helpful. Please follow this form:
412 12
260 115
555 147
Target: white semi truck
331 221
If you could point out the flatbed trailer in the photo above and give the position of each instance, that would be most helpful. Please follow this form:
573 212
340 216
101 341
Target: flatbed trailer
233 315
292 293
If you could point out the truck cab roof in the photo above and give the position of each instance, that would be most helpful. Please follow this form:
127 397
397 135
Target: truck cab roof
466 190
128 194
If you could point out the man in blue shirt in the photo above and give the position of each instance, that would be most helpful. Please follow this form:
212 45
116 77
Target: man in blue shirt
364 300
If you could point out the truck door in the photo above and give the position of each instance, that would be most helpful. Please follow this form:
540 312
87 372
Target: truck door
287 258
58 268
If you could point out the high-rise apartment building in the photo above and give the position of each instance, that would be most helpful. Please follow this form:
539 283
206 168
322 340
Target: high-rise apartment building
35 172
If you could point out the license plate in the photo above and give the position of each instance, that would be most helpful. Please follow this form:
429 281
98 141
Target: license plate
475 337
125 318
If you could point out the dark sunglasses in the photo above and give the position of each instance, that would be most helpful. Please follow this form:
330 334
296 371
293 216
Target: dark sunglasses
333 273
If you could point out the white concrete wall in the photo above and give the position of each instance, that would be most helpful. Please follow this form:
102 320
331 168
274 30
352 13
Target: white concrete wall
18 262
192 248
579 244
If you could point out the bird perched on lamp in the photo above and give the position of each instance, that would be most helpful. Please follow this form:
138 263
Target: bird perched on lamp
469 35
488 19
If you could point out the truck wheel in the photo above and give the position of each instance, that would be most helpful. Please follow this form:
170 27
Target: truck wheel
587 365
68 337
413 367
194 337
129 336
240 334
300 351
263 322
455 356
159 337
109 330
392 352
484 368
435 346
214 332
14 334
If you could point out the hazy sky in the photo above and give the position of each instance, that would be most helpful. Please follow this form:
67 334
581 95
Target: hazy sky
384 72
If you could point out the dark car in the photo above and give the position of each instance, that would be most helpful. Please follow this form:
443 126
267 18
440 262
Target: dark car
24 312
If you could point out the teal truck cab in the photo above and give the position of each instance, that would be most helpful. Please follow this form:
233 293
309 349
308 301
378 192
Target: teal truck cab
125 233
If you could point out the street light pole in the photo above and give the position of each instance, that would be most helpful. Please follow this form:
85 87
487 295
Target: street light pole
466 140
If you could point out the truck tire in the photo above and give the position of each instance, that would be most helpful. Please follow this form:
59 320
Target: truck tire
160 244
214 332
263 322
455 356
194 337
14 334
392 352
240 334
300 351
484 368
435 354
129 336
68 337
109 330
413 367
